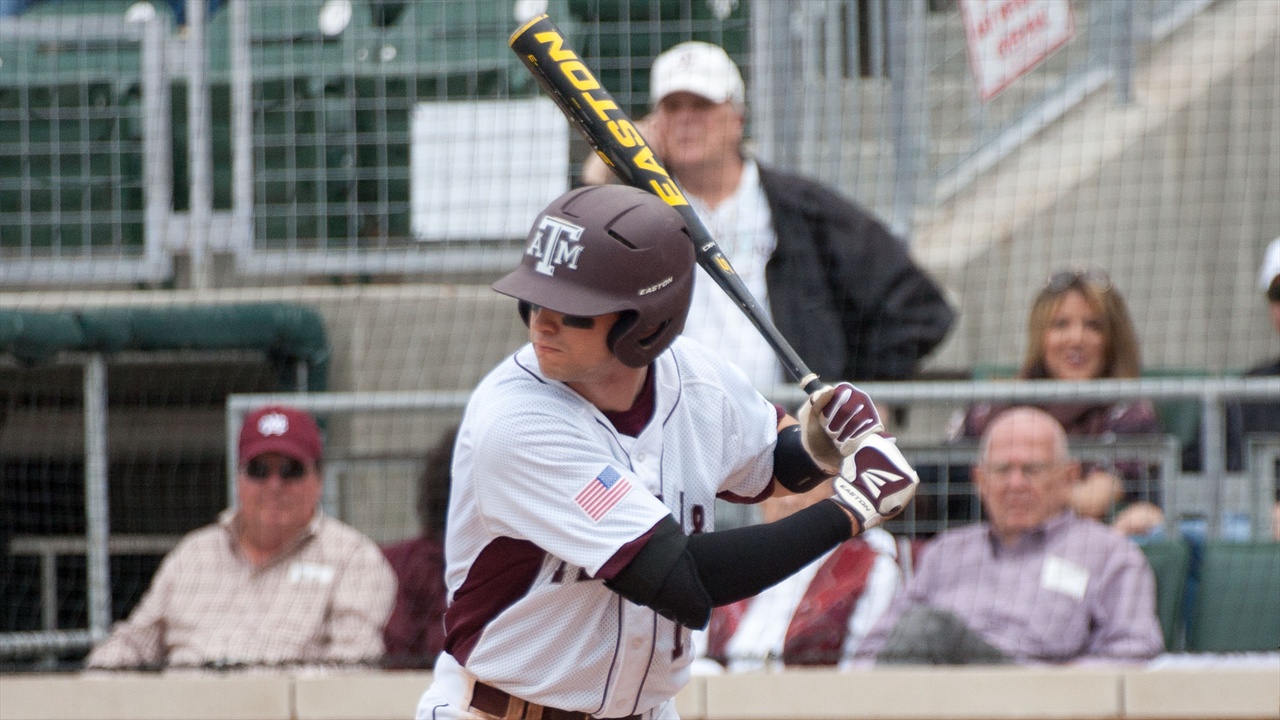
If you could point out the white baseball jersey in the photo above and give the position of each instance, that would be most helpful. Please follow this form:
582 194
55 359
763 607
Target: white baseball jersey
546 492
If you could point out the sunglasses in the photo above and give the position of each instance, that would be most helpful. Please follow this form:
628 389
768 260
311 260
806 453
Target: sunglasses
289 470
1065 279
580 322
1035 472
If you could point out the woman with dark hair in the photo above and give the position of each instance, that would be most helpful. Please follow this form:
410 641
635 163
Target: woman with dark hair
1079 328
414 633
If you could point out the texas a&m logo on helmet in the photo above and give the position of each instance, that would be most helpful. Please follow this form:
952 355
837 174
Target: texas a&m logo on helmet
555 243
605 249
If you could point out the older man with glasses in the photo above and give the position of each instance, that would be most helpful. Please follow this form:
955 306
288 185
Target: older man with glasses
273 583
1034 582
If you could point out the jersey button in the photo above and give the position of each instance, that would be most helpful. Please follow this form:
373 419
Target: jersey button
640 457
637 643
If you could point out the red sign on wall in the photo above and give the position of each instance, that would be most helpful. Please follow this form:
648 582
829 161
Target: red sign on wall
1007 38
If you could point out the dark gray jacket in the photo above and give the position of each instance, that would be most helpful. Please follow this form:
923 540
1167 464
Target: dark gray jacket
842 288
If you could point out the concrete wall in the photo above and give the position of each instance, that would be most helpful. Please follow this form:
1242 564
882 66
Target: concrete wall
1243 691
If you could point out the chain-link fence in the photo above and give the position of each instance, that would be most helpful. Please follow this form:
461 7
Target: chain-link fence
339 138
375 453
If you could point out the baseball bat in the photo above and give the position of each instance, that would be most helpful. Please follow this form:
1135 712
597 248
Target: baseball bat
605 126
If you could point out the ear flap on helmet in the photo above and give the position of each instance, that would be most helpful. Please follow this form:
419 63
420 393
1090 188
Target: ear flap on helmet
647 341
624 325
626 343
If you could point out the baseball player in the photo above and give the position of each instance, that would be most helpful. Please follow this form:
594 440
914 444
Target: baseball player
580 550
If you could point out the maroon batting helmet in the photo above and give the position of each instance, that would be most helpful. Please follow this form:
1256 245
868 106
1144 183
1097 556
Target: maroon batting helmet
604 249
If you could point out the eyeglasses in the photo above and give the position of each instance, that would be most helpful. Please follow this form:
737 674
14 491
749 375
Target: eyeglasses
289 470
1064 279
1035 472
580 322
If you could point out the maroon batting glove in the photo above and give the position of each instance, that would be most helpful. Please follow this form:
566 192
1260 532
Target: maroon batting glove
835 421
876 483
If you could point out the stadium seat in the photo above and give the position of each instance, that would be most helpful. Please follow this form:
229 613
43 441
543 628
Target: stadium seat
333 116
1180 418
70 147
1170 560
1237 606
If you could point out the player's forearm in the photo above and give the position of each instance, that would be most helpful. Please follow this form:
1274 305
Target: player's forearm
683 577
739 563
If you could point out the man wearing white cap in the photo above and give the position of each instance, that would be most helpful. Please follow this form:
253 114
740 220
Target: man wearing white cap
840 287
1263 416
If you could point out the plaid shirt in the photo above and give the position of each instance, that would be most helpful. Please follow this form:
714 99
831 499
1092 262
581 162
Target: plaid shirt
325 600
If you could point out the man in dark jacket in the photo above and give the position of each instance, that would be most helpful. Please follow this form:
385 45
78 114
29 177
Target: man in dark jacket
889 312
1259 417
840 287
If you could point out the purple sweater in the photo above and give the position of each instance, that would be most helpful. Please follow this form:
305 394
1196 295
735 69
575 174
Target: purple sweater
1073 590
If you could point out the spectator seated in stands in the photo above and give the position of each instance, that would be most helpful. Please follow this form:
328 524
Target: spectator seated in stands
415 632
816 616
1035 582
1248 418
275 582
1080 329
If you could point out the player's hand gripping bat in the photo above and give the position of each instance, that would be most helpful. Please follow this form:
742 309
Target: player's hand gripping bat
592 110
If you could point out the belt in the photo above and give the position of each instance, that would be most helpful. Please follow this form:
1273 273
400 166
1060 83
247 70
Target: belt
499 704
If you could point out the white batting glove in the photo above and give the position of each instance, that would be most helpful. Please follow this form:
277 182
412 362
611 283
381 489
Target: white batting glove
834 422
877 482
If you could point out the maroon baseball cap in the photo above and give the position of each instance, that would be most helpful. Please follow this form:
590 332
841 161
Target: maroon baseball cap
285 430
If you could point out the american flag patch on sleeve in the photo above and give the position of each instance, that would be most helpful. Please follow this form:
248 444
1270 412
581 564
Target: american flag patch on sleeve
602 493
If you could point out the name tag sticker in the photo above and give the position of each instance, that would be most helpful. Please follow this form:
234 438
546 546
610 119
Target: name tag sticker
311 572
1064 576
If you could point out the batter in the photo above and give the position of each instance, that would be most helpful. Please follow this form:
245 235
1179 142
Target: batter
580 551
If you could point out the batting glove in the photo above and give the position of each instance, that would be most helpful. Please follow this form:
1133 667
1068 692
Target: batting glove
834 422
877 483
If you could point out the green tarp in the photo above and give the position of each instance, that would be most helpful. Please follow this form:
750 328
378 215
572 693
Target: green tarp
285 332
